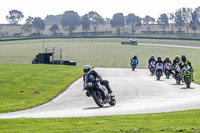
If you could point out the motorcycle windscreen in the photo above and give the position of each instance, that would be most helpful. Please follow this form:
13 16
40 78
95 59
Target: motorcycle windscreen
90 81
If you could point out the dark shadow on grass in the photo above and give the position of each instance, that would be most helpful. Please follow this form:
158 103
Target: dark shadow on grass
89 108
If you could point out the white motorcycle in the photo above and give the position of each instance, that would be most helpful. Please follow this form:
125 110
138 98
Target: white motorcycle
159 70
177 73
167 68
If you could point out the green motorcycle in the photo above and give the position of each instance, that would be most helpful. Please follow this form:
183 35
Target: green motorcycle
187 75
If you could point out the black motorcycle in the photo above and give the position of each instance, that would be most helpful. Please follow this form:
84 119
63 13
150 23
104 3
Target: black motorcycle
98 92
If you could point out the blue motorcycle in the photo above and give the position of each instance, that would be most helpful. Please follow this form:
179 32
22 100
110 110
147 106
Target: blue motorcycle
134 64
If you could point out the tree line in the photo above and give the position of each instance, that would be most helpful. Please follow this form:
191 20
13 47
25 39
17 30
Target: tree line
70 20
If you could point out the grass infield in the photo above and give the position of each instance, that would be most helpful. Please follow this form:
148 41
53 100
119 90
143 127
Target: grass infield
24 86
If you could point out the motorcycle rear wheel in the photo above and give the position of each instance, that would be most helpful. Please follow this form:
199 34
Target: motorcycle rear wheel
112 102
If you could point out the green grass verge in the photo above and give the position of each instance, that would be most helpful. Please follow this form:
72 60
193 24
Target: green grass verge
96 52
197 74
185 121
24 86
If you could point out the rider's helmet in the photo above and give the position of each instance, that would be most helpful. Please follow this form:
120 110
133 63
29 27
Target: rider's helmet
177 58
86 68
183 58
135 56
159 58
167 58
152 57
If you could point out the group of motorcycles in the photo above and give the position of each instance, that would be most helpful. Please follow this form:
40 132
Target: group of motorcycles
184 74
100 94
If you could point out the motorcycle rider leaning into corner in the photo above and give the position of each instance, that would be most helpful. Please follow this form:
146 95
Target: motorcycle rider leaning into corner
87 70
159 60
135 57
184 62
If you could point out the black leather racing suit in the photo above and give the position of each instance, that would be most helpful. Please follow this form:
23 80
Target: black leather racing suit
102 82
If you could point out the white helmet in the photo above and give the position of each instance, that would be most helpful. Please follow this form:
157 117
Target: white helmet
86 68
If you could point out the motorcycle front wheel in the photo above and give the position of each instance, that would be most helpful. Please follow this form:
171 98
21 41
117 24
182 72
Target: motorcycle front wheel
167 74
158 75
98 98
187 81
178 79
152 72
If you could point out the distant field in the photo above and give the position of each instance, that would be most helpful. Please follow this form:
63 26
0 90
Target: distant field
96 52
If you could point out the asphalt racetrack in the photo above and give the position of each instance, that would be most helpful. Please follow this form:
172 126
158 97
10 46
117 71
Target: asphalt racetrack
136 92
